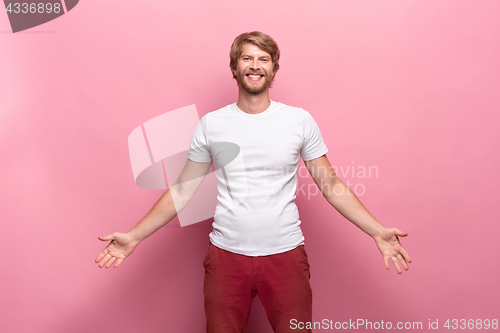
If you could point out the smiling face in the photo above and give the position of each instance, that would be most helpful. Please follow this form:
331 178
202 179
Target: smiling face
254 69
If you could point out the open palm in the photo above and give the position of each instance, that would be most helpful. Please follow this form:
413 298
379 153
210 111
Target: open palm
120 247
390 247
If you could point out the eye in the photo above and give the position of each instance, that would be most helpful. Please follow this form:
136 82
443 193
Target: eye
265 60
246 58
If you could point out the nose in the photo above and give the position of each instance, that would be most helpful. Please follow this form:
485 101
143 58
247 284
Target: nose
255 64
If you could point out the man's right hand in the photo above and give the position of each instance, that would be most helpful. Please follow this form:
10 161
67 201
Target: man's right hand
183 190
120 247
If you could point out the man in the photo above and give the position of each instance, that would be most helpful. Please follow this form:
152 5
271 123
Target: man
256 246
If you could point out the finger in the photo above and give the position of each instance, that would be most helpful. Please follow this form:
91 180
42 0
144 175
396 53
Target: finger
386 262
118 263
106 258
400 233
110 262
102 254
106 238
405 254
403 262
395 261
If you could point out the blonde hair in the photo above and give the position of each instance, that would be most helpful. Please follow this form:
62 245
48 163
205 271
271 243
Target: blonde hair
262 40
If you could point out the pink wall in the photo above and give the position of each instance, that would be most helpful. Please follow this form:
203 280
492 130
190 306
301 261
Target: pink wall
410 87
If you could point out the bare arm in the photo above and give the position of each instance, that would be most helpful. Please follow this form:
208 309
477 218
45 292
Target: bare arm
340 196
172 202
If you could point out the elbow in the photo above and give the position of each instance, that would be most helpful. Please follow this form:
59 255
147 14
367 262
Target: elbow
180 197
333 189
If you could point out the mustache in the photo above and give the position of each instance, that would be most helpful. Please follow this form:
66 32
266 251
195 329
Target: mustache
257 73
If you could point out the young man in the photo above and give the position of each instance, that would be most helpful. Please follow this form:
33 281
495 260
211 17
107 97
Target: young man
256 246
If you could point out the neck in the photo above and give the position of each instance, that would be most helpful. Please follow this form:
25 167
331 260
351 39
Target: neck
251 103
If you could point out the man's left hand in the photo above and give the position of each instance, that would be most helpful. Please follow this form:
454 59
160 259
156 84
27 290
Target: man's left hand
390 247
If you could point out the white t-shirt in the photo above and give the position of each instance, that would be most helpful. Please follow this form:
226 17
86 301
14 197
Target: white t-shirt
256 158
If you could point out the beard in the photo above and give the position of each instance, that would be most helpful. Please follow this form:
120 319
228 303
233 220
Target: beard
257 87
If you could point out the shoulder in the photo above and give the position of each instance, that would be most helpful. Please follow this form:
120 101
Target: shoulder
222 111
292 110
295 112
217 113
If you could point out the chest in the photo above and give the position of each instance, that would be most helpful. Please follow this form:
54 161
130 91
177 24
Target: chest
270 146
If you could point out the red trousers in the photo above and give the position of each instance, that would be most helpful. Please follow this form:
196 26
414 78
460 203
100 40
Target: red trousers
232 281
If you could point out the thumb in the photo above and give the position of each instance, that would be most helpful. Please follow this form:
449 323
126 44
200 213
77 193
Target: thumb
107 238
398 232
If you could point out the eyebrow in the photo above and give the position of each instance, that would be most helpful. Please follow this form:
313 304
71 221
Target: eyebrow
247 55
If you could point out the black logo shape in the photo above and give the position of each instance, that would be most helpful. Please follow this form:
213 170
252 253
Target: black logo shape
26 14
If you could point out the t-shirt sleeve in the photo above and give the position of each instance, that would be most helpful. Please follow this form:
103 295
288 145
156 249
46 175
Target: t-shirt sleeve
199 150
313 146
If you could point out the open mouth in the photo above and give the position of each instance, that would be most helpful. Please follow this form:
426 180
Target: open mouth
255 77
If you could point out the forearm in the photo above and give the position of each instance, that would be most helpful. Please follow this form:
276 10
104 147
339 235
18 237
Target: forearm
340 196
164 210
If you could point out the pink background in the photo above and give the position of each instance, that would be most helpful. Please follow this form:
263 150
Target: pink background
408 86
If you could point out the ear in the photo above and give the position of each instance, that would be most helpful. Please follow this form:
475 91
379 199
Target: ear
234 71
